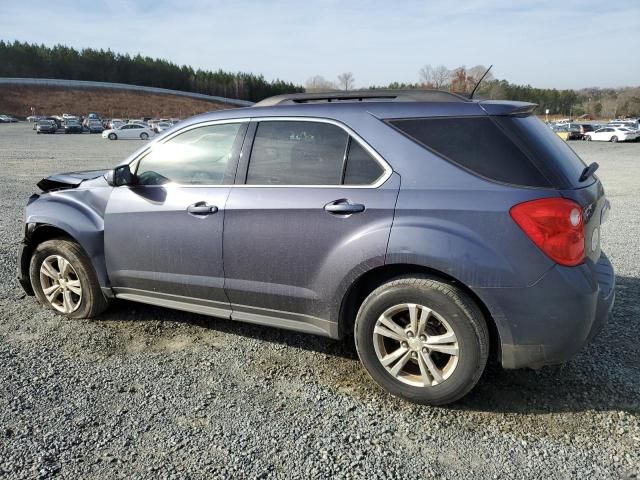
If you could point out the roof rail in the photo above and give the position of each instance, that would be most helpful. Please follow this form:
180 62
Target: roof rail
383 95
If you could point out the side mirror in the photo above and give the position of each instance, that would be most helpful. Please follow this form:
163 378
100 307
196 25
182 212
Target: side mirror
119 176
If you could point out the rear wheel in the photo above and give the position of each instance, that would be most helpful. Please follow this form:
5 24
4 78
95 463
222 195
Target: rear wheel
422 339
588 138
614 139
113 136
64 280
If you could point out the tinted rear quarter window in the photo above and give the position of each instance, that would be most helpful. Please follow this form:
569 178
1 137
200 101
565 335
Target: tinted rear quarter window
552 155
362 168
476 144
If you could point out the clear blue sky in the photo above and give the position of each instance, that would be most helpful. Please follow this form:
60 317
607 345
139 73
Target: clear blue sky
563 44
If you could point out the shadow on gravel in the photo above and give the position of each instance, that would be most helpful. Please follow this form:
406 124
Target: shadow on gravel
123 311
605 376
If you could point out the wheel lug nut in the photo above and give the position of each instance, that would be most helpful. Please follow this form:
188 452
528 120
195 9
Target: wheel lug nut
414 354
423 338
405 344
425 350
410 334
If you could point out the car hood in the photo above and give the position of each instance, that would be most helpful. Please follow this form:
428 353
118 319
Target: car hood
62 181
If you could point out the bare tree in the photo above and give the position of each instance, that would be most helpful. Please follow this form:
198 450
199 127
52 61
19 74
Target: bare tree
435 77
346 81
475 73
318 83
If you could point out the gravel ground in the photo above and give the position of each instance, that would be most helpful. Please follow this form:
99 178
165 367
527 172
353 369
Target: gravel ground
145 392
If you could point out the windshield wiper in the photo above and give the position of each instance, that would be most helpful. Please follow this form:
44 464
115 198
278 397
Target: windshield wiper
588 171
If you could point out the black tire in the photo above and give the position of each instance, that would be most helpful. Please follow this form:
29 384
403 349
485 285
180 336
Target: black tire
588 138
461 313
614 139
144 136
113 136
92 301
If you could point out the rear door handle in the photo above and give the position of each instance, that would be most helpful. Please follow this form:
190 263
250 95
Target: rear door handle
343 207
201 208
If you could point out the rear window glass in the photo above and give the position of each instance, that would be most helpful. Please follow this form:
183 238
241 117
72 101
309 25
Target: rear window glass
477 144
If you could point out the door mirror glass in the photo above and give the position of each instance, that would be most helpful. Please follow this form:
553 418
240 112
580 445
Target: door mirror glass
120 176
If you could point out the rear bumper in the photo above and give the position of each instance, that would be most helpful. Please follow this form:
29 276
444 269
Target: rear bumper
549 322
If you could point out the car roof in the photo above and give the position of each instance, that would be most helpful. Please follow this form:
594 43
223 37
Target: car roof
349 110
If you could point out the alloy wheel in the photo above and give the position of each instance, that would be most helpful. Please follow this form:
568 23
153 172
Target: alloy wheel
60 284
416 345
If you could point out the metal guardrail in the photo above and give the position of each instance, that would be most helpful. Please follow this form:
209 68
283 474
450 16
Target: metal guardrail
54 82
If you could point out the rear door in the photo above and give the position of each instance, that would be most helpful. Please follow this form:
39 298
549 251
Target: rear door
311 205
163 235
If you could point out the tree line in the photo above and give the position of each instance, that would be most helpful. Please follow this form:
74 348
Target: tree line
596 102
21 59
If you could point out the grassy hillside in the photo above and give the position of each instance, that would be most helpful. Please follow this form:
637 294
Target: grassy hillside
17 101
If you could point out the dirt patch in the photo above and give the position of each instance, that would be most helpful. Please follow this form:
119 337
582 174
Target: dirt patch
18 101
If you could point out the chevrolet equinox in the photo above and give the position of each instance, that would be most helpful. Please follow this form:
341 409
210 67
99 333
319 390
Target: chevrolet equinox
433 229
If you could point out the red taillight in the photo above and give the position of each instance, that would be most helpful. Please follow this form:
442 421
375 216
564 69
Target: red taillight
555 225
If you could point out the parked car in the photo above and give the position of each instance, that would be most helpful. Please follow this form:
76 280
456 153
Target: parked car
585 128
34 118
46 126
612 134
128 131
72 126
161 127
53 119
8 119
114 123
95 126
629 125
374 214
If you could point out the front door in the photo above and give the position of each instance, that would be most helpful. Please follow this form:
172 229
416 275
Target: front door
163 234
315 205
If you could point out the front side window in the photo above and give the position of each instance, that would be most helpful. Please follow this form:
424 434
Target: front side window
297 153
200 156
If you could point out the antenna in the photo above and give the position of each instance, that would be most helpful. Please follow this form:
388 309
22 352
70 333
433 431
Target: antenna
479 81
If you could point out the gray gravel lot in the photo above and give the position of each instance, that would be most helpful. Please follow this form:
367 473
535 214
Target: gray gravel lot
145 392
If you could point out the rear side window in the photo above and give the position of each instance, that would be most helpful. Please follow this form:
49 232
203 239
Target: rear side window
476 144
297 153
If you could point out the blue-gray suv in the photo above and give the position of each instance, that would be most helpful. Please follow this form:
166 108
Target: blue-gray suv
434 229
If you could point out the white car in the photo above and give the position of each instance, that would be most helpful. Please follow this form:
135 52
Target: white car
612 134
162 126
130 130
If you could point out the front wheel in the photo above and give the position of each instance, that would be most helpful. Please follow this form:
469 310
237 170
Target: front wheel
588 138
112 136
422 339
614 139
64 280
144 136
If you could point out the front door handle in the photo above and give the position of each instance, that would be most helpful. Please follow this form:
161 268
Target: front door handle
201 208
343 207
